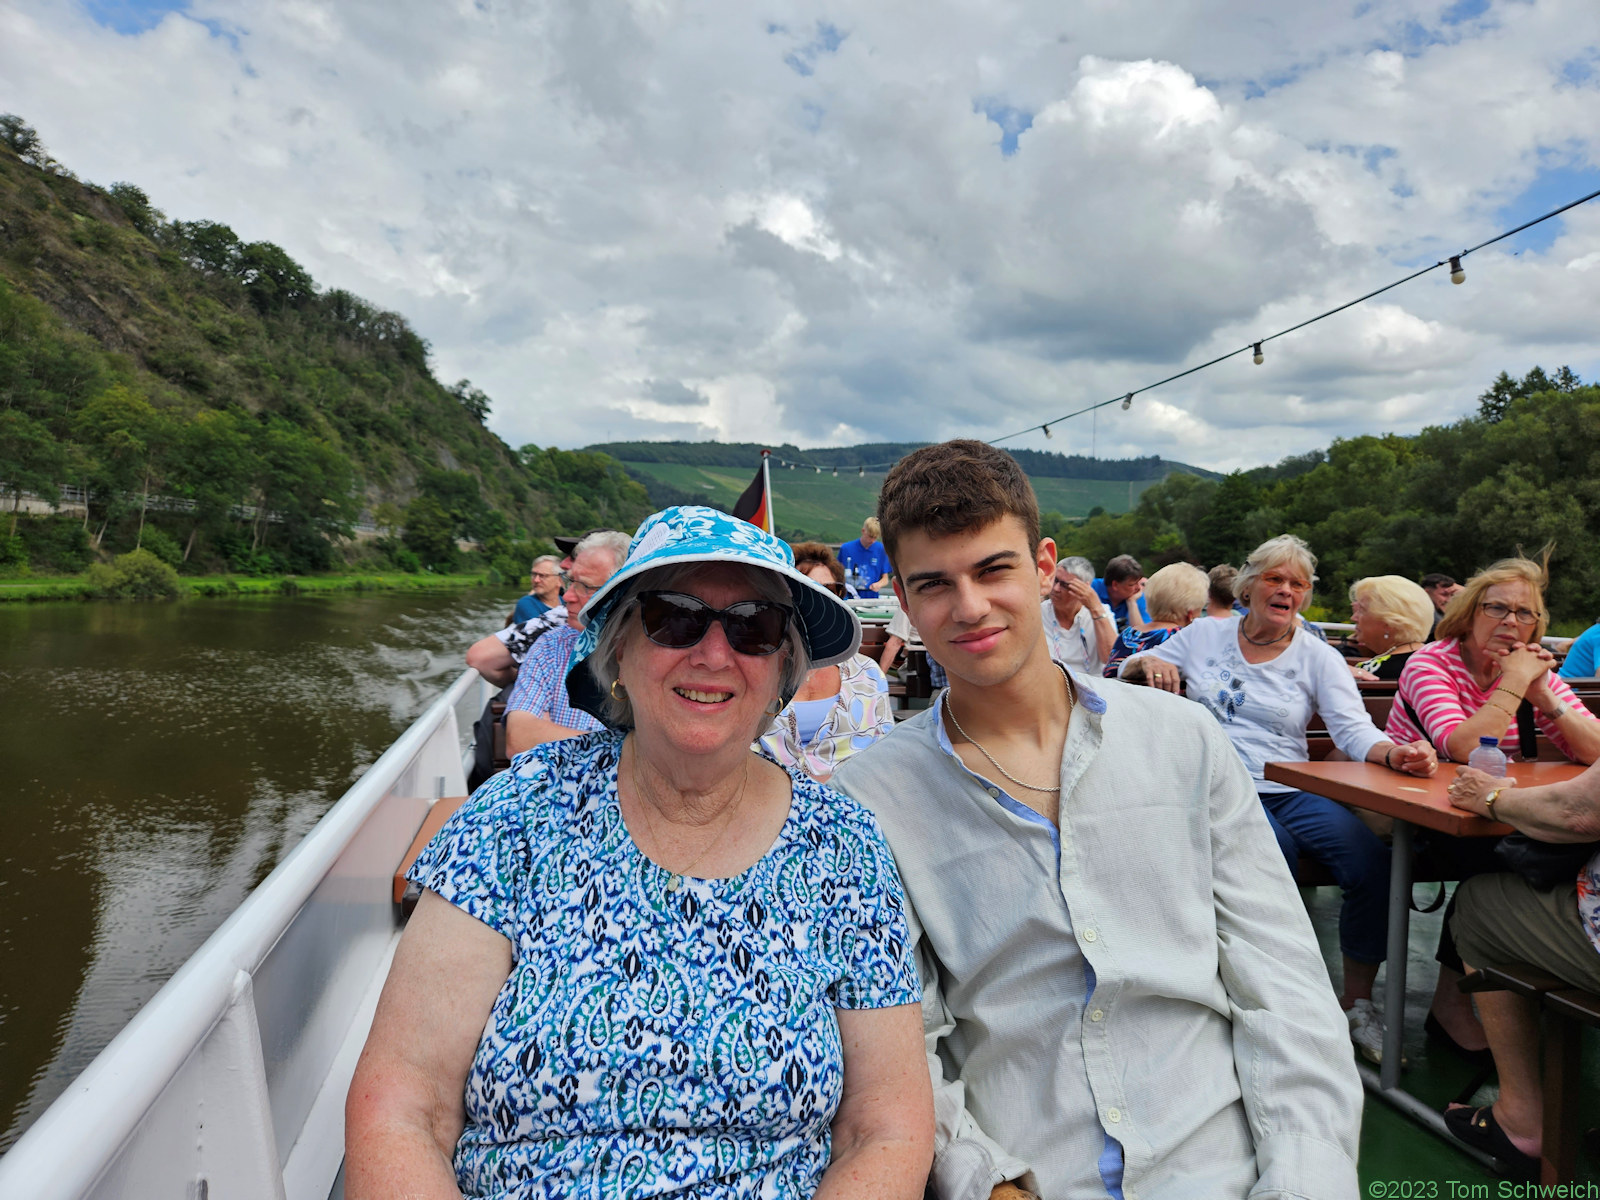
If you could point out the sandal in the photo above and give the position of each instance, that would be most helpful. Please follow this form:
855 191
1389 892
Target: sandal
1476 1127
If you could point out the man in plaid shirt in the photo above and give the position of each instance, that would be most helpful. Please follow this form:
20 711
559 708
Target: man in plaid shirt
538 710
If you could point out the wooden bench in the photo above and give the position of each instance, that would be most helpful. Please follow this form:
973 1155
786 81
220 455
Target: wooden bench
1566 1011
406 894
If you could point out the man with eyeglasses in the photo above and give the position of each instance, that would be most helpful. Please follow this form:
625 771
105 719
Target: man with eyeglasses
1080 629
544 589
538 709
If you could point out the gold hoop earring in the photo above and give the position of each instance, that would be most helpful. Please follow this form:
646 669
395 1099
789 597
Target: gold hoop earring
618 692
775 707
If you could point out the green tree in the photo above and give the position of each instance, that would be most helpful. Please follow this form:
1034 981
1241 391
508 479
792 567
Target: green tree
212 470
473 399
1223 533
273 281
30 461
136 206
430 533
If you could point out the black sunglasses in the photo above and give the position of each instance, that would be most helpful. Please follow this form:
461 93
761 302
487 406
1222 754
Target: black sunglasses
676 621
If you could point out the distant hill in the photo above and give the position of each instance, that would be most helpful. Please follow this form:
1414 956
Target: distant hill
810 500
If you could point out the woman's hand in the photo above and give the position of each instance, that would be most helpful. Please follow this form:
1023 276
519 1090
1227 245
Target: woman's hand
1362 676
1524 666
1011 1191
1469 790
1153 671
1414 758
1539 693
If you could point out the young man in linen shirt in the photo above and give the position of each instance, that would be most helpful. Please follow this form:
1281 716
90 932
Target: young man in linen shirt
1122 992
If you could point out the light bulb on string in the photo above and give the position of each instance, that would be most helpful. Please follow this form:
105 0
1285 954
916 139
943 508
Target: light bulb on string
1127 402
862 472
1457 275
1259 357
836 472
1046 429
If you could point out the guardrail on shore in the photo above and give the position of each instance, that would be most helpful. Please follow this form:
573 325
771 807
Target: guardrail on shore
230 1082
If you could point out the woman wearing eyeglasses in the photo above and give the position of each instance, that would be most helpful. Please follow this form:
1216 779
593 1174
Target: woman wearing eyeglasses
1486 664
1264 678
650 960
839 709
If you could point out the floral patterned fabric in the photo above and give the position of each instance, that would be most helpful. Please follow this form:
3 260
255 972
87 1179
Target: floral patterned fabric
861 714
651 1041
1589 899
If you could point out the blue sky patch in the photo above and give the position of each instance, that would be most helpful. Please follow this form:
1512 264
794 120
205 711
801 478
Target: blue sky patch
1464 10
132 16
1013 122
803 61
1582 69
1555 184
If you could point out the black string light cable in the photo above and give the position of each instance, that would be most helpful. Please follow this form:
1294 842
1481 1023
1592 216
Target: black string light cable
1457 275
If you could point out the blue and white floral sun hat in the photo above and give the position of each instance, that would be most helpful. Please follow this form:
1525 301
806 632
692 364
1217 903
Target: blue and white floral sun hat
692 533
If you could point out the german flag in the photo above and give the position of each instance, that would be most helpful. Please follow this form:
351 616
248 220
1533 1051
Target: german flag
755 504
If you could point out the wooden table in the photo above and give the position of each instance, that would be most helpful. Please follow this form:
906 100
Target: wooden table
1411 802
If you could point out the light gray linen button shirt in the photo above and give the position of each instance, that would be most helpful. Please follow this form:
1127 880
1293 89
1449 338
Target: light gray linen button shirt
1213 1049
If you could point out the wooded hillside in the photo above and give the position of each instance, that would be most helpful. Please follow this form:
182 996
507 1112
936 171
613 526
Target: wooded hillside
217 406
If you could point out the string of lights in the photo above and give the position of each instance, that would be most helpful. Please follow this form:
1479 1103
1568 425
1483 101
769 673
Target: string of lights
1457 275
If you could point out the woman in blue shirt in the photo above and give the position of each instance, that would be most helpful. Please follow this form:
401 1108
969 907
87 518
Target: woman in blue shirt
649 960
1580 660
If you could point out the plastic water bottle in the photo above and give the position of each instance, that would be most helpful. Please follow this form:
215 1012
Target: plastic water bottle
1488 757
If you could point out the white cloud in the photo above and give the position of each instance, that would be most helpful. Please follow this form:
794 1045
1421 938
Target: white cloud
893 222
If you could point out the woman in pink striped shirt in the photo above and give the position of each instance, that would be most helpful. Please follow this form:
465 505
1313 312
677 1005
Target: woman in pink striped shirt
1486 663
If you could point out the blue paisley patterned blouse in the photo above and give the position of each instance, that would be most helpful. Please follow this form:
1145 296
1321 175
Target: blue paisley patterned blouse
650 1042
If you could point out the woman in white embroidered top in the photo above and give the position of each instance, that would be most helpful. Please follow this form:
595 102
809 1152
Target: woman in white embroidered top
838 710
1264 678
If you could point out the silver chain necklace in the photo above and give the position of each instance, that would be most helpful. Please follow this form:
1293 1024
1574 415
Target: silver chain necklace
996 762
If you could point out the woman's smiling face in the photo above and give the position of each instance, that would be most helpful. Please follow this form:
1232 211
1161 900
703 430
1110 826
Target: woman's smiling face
707 697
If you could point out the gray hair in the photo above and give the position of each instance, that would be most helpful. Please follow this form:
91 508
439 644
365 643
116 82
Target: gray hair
1285 549
612 541
543 558
768 585
1078 567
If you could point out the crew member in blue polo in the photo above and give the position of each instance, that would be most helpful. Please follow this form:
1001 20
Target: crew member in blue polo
866 562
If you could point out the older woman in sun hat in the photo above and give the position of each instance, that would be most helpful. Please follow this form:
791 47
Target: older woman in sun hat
649 959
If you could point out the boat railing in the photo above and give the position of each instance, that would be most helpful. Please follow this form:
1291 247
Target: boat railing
230 1082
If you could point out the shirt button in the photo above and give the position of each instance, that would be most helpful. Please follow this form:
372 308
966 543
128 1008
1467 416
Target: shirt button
1089 935
1114 1115
995 792
1097 1015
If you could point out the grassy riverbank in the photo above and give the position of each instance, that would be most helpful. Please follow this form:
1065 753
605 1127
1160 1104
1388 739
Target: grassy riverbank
82 587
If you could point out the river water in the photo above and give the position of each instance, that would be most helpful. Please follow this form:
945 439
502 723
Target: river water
156 761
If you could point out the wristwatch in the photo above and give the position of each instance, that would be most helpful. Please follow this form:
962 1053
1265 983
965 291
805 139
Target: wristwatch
1105 615
1488 804
1560 711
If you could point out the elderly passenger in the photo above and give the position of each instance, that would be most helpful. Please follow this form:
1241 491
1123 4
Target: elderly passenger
1503 920
1264 677
1175 596
649 960
1081 630
537 710
838 710
1393 617
1486 665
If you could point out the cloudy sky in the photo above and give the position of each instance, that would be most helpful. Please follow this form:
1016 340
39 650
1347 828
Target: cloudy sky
774 220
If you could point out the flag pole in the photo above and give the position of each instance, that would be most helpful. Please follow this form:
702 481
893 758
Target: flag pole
766 483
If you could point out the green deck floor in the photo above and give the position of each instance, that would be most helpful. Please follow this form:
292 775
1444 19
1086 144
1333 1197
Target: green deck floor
1394 1149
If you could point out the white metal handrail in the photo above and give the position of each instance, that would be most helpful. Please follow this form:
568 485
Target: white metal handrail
95 1125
